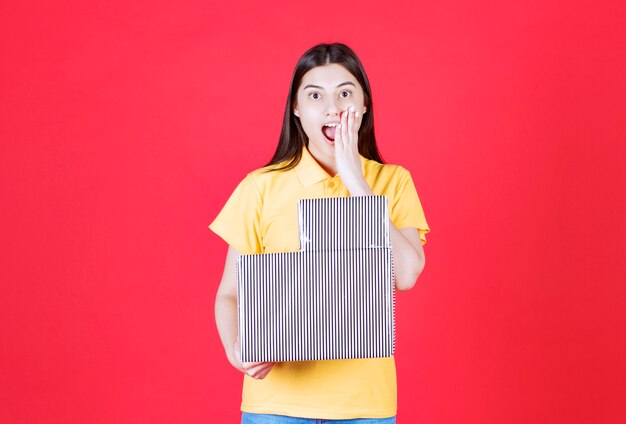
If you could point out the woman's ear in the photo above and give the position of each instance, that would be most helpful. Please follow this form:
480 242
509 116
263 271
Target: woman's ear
296 112
364 109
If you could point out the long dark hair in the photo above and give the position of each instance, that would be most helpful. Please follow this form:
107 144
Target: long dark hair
292 136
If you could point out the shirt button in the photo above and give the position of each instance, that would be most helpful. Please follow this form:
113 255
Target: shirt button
331 184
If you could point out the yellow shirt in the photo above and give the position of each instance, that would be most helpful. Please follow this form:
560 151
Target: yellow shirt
261 217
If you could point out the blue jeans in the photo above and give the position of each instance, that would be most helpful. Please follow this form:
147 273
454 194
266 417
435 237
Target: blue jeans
249 418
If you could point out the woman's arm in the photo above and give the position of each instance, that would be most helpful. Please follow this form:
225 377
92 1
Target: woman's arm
408 256
408 252
226 320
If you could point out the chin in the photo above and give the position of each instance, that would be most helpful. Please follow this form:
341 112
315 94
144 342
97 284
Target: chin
324 146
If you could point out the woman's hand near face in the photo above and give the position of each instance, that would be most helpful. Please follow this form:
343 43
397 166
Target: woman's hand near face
347 157
257 370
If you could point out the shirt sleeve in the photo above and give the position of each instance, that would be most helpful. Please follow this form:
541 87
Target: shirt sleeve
239 221
406 208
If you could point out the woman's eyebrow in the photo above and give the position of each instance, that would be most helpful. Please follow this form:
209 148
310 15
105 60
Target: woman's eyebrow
317 86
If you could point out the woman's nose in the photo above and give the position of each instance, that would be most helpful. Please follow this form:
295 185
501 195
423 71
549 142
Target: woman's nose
332 108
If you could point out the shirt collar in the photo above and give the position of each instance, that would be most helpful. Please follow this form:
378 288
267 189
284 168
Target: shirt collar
310 172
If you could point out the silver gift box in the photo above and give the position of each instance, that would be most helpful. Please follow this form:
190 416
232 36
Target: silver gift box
334 299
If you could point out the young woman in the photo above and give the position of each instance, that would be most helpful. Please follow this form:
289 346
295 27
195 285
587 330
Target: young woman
327 148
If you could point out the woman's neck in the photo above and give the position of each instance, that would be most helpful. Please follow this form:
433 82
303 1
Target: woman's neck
327 163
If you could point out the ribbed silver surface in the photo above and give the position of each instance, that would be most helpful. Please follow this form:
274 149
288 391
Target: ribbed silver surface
337 223
323 302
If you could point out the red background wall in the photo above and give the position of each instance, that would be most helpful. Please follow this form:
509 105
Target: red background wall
125 127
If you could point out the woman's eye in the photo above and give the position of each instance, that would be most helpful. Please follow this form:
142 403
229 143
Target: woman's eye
345 92
315 95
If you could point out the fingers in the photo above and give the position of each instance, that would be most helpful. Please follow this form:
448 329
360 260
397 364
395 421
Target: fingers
350 128
261 375
344 127
257 370
345 135
340 139
261 370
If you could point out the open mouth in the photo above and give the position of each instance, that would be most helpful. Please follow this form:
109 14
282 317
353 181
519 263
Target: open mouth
329 132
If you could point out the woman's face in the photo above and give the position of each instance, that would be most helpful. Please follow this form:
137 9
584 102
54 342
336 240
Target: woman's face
324 93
